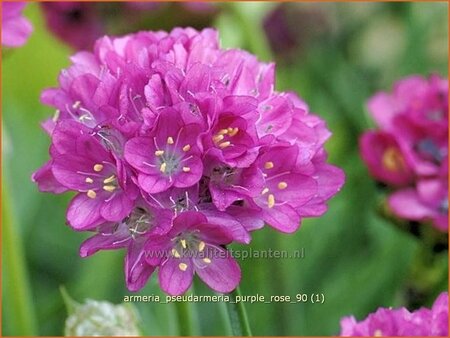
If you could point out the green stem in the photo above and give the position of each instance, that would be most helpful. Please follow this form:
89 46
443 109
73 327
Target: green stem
18 297
251 27
184 318
238 316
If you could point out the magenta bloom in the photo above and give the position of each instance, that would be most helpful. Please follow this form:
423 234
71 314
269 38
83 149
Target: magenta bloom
194 246
401 322
409 152
15 28
176 148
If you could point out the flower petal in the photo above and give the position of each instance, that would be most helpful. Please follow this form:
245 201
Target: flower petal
221 272
175 275
84 212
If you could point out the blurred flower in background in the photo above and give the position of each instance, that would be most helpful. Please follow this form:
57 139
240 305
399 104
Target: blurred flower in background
401 322
79 24
101 318
409 152
292 27
15 28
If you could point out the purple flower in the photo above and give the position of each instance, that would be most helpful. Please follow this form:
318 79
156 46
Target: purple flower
15 28
132 232
401 322
409 152
80 24
76 23
169 157
194 246
172 143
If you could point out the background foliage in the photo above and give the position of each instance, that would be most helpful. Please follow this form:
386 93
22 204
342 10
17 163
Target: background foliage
353 256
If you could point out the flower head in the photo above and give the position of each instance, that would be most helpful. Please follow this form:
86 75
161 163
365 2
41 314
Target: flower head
401 322
15 28
409 151
101 318
176 148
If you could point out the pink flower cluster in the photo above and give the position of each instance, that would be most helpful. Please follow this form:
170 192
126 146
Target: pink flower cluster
401 322
176 148
409 151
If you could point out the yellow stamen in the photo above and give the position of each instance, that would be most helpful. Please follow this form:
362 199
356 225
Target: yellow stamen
89 180
186 169
233 131
268 165
182 266
393 160
282 185
159 152
163 166
56 116
223 132
110 179
187 147
224 144
201 246
378 333
109 188
170 140
217 138
206 260
98 167
91 194
183 243
271 201
175 253
265 191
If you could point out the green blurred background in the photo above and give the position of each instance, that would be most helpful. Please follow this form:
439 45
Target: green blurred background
343 53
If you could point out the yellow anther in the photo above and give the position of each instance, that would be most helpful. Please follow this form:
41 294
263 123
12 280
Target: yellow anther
201 246
110 179
265 191
206 260
183 243
223 132
282 185
217 138
98 167
89 180
270 201
268 165
393 160
109 188
182 266
159 152
232 131
187 147
378 333
163 166
224 144
91 194
170 140
175 253
186 169
56 116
